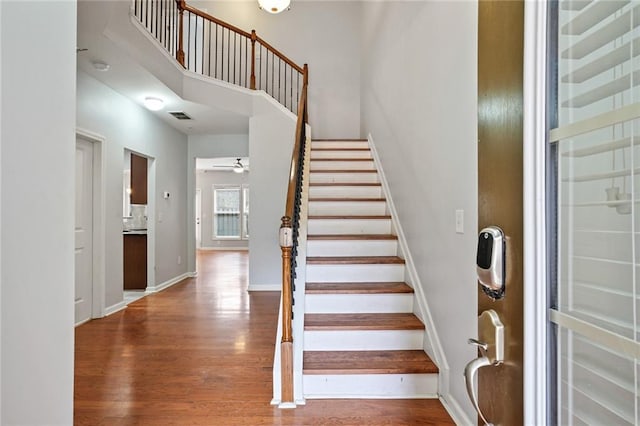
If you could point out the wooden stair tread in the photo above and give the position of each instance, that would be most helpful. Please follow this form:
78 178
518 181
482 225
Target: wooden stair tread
338 140
341 159
355 260
368 362
340 149
345 184
334 237
332 199
376 217
344 171
358 288
335 322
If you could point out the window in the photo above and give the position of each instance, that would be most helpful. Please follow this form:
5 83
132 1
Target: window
230 212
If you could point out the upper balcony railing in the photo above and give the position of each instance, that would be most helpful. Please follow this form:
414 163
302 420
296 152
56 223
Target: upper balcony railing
209 46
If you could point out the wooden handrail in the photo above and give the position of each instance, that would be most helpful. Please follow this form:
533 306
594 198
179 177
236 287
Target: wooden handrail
214 19
288 243
280 55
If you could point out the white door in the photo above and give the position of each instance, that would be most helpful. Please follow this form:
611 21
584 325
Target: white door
198 209
84 231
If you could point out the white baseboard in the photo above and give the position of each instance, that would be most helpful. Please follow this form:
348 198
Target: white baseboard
223 248
115 308
455 411
169 283
265 287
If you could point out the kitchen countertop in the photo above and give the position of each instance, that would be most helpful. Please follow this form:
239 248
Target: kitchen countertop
134 232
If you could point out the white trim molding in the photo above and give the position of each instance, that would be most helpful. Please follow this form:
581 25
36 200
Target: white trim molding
432 342
223 249
168 283
535 249
115 308
264 287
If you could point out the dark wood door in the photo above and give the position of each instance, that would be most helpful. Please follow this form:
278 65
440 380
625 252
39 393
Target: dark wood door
500 174
135 262
138 179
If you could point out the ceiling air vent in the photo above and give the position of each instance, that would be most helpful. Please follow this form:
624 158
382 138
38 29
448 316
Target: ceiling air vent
180 115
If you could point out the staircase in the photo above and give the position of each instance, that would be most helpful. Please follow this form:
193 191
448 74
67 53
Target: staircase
361 338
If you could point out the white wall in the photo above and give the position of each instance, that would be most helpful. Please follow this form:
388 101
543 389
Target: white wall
324 34
207 146
126 125
271 135
205 181
419 103
37 57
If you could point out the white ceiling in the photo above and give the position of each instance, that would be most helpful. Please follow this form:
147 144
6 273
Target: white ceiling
128 78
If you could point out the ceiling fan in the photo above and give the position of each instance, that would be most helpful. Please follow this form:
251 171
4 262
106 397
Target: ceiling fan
237 167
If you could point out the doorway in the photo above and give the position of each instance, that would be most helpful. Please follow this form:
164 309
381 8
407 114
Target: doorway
89 228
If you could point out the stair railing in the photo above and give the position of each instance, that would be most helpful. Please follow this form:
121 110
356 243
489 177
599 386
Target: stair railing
289 231
209 46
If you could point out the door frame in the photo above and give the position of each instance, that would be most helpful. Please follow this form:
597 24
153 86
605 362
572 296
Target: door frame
198 216
99 230
535 212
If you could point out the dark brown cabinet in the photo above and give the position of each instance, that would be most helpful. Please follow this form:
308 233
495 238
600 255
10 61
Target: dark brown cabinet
138 179
135 261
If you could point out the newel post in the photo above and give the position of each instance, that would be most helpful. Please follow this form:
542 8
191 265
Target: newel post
254 37
180 52
286 345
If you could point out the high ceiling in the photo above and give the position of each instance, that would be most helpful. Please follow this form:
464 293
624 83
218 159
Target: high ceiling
131 80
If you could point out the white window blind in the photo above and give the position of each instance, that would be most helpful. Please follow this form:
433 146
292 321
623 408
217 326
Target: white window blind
598 225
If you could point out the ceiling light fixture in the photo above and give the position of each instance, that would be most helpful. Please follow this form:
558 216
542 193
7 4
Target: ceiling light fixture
153 104
101 66
238 167
274 6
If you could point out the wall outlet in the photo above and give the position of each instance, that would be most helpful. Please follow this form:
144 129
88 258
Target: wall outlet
179 260
460 221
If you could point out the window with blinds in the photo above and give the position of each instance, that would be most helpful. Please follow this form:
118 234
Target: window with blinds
597 130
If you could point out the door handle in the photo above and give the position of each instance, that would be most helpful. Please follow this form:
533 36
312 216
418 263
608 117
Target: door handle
470 372
490 342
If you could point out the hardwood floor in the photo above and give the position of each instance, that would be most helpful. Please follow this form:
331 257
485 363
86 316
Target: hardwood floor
201 353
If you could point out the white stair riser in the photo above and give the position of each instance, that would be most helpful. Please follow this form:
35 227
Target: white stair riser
363 340
358 303
352 248
319 386
348 226
374 208
371 177
339 144
315 155
345 191
341 165
354 273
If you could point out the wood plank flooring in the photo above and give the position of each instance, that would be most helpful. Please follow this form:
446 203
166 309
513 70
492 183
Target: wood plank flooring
201 353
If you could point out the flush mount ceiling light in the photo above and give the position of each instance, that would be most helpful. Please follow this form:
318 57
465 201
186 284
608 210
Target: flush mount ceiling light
274 6
238 167
153 104
101 66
